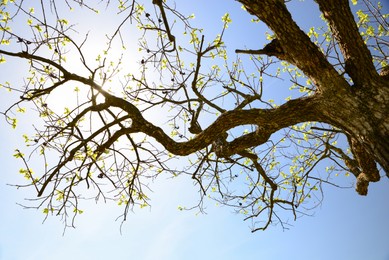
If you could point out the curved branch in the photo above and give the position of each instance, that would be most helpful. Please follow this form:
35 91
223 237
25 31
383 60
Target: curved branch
291 113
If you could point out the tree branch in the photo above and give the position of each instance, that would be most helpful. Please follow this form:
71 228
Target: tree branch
357 57
292 112
295 43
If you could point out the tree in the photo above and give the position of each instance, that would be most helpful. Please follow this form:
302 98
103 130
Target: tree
255 155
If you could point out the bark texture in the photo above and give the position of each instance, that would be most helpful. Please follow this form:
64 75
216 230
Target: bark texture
360 109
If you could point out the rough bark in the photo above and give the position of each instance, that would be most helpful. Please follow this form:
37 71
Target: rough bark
360 109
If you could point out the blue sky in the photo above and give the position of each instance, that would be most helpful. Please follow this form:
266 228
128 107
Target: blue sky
346 226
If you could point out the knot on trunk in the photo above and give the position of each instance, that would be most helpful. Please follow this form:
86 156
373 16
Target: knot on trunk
362 184
274 48
364 165
365 161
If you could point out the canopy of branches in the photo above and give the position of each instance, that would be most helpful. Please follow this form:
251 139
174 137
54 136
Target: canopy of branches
126 91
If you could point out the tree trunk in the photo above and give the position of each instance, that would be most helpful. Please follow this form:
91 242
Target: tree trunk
364 115
360 109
